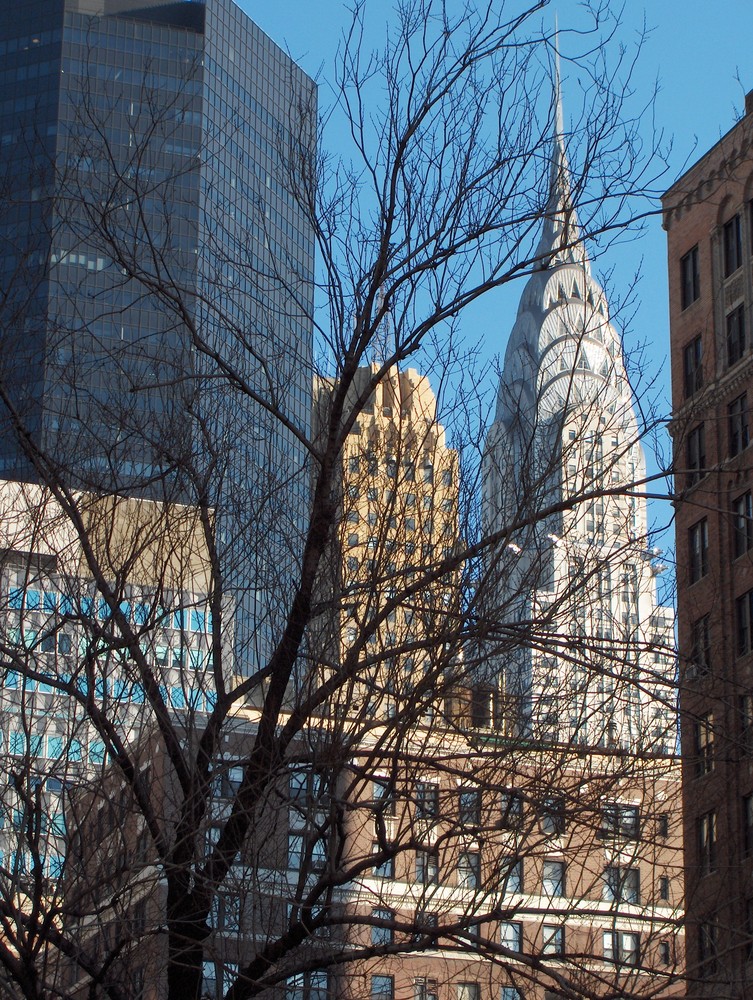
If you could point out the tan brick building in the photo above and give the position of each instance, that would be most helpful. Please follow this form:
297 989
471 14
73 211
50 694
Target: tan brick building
709 224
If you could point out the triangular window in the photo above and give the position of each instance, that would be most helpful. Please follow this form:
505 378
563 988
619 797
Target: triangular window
576 290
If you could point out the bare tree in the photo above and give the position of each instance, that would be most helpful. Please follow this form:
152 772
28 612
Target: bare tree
261 721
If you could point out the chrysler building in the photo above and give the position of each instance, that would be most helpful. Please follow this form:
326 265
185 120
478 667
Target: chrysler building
579 644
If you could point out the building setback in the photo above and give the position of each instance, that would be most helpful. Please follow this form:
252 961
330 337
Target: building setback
709 224
146 163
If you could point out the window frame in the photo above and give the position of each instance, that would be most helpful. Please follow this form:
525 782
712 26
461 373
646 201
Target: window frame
742 524
695 454
738 431
707 840
698 550
690 278
736 335
692 366
703 731
732 245
553 878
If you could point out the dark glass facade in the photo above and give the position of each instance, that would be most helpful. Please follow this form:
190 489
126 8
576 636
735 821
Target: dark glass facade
158 280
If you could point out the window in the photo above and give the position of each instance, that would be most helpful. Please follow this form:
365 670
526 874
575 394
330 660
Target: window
732 245
707 946
384 868
737 418
742 512
510 993
664 888
735 335
707 842
622 946
553 878
426 924
481 707
469 804
704 744
425 989
692 363
662 825
467 991
698 550
553 940
696 454
620 820
511 935
690 279
622 885
513 876
383 795
312 985
700 645
511 810
382 931
743 618
382 988
553 816
427 800
746 722
748 825
469 870
427 867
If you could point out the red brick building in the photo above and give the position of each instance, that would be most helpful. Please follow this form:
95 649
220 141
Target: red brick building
708 216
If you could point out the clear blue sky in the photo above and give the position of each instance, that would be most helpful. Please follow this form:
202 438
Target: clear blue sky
699 53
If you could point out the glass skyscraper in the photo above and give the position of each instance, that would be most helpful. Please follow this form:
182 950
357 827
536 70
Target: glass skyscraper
157 282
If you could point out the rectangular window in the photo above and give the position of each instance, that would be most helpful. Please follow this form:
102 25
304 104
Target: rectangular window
553 940
469 870
732 245
425 989
664 888
698 550
735 335
620 820
707 946
742 535
383 795
707 842
622 947
469 803
384 868
743 618
427 867
704 744
690 279
513 876
427 800
511 810
737 420
746 722
382 988
382 931
553 878
510 993
553 820
622 885
700 645
748 825
467 991
695 448
692 359
511 935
